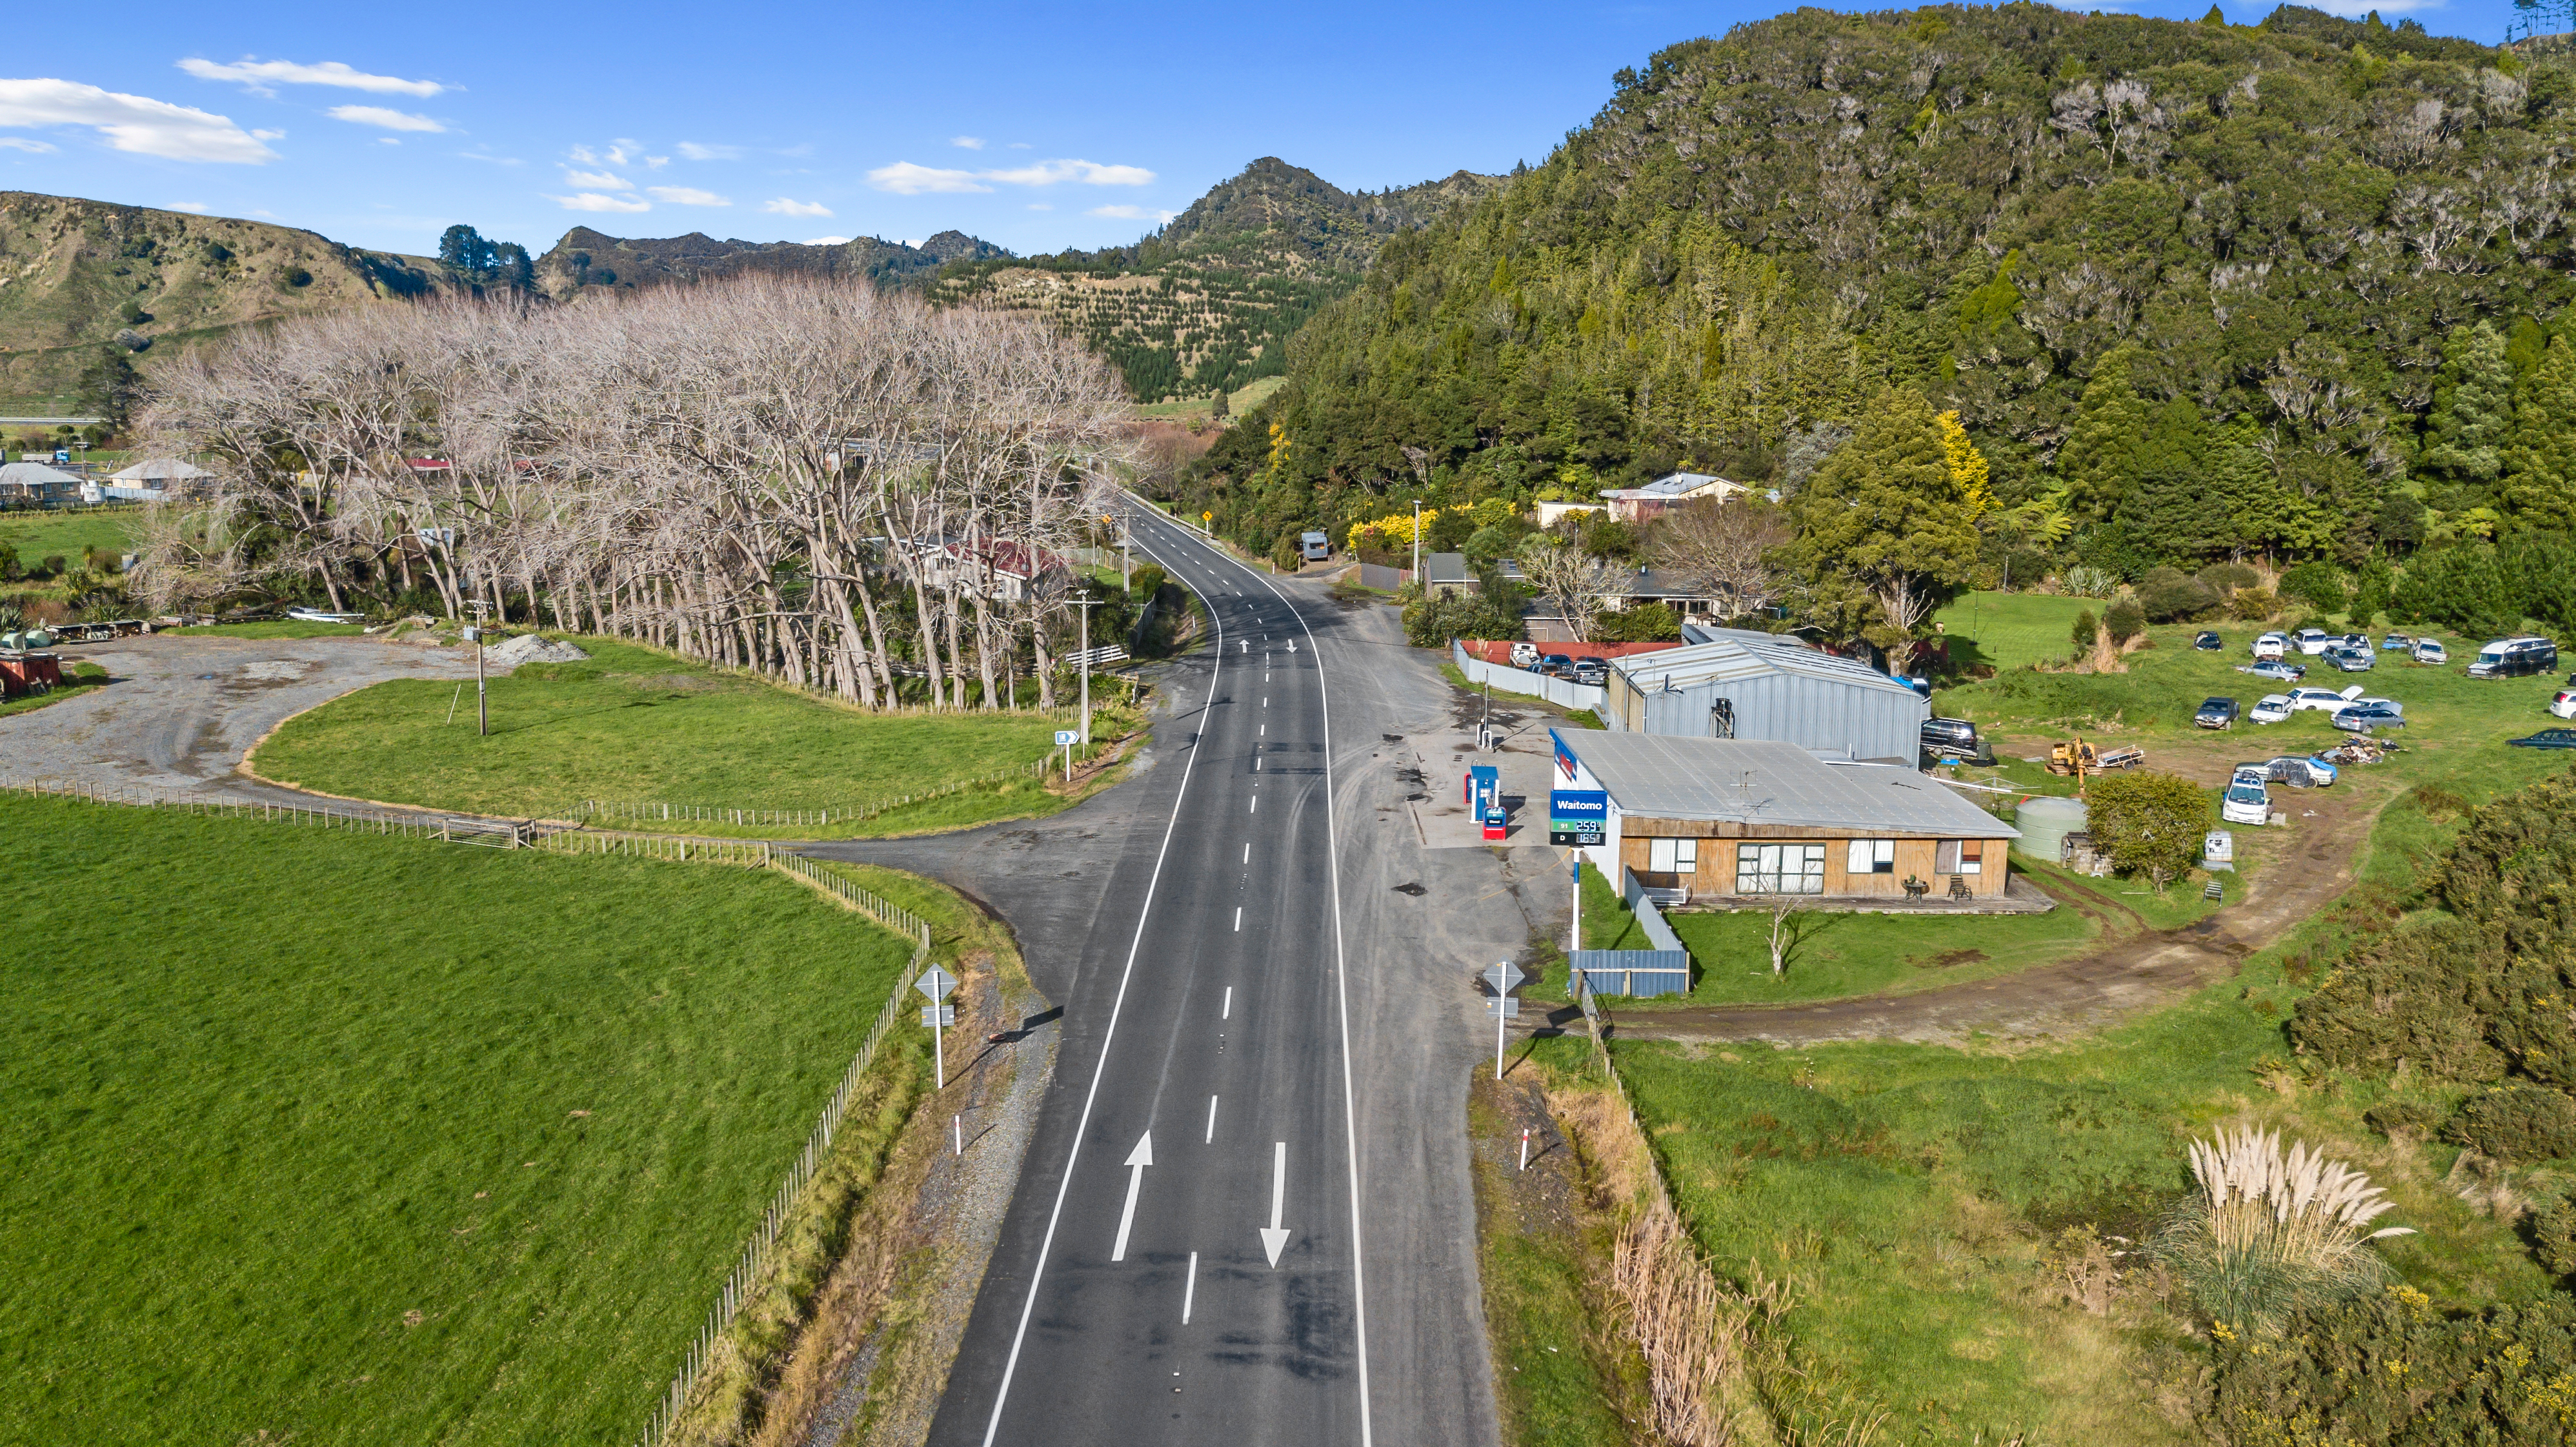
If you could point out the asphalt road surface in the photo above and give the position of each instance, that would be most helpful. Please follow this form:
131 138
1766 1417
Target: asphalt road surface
1266 993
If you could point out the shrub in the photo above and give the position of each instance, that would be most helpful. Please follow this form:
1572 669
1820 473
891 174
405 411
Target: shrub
2317 584
2085 581
2149 824
2517 1123
2125 620
2171 596
1645 623
1432 622
2228 579
1285 555
2389 1371
2273 1233
2253 605
2553 1233
2086 630
2403 1117
53 565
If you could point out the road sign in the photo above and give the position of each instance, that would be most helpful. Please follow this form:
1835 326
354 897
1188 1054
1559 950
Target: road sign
1504 976
1067 736
935 983
1507 1006
935 1015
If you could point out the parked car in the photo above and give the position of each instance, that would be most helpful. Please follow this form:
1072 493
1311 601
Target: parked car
2367 718
2273 668
2356 640
2515 658
2547 739
2271 645
2273 708
2352 660
1955 732
2428 650
2247 801
2299 771
2311 641
1524 655
2395 643
2322 698
2206 641
1557 665
2372 700
1593 671
2216 713
2562 704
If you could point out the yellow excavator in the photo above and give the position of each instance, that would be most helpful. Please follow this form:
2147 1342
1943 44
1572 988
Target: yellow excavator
2080 758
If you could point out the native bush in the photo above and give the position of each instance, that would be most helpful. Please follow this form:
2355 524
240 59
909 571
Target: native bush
2125 620
2389 1371
2149 824
2517 1122
2087 629
2170 595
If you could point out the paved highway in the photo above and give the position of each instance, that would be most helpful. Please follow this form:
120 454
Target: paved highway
1184 1260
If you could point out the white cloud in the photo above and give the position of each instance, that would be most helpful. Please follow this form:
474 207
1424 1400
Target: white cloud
593 201
133 123
1042 206
655 163
259 75
193 208
967 143
686 196
597 181
387 141
785 207
392 120
617 153
906 179
1020 146
828 241
14 143
1132 213
268 135
495 160
1089 173
695 152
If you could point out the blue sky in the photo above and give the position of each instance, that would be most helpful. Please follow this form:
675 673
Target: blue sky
1036 127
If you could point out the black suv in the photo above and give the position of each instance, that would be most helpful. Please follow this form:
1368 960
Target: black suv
2207 641
2216 713
1955 738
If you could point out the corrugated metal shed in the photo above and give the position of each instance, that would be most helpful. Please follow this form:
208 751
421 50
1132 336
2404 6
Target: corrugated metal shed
1738 688
1756 782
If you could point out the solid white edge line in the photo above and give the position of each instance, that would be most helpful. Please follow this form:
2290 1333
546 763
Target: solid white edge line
1046 1243
1341 984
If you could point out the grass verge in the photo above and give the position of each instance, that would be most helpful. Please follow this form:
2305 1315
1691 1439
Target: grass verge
635 724
466 1145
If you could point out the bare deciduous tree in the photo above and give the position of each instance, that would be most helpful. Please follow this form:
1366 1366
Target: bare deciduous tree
1567 576
1722 549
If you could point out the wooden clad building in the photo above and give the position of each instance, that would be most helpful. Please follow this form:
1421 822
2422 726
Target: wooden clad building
1747 818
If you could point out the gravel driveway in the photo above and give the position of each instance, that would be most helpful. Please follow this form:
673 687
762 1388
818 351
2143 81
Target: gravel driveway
180 711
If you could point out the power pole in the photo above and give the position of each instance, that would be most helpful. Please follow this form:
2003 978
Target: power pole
1417 546
482 703
1086 605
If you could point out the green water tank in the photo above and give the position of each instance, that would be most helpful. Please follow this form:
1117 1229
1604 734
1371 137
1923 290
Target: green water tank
2044 824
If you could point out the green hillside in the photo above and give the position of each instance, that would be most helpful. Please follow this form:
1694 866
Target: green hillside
1208 302
2198 283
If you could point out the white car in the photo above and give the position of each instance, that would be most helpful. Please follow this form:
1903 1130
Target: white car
2429 651
2271 646
2562 704
2248 799
2273 708
2374 701
2312 640
2321 698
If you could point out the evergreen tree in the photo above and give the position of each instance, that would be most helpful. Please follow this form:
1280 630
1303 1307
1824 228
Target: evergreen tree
2176 499
2540 490
2472 418
2103 453
1884 530
109 387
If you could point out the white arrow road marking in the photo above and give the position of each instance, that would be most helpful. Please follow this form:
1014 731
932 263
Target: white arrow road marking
1137 1160
1273 1237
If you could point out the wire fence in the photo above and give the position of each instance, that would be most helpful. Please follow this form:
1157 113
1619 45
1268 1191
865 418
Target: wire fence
884 911
756 1252
656 811
753 852
453 829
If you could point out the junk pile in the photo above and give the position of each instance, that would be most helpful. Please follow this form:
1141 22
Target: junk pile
530 648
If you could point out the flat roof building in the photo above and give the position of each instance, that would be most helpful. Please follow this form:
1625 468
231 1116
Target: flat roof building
1739 818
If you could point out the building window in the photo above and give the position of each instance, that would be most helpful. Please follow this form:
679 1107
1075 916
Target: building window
1872 856
1779 869
1672 856
1960 856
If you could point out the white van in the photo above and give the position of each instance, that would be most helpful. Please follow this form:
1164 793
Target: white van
2313 640
2270 646
2248 799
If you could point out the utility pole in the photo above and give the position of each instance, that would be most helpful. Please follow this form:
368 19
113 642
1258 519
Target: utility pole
1086 605
482 704
1417 543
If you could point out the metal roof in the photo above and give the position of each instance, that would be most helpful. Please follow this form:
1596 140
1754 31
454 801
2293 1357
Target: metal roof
165 468
1734 658
1755 781
29 474
1446 568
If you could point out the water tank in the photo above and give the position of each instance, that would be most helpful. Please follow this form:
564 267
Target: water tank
2044 824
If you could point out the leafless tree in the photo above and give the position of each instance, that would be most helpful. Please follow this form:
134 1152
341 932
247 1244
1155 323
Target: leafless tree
1567 576
797 476
1722 549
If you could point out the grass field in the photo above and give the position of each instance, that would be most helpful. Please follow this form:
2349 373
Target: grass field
456 1152
2012 630
1235 402
35 536
1918 1199
633 724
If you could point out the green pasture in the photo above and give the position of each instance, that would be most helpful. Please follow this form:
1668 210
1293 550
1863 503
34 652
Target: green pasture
633 724
2012 630
37 535
1921 1202
324 1137
275 628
